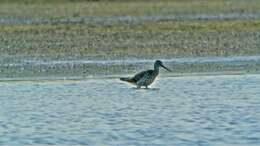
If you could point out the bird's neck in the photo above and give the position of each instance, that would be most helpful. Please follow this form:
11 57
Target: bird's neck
156 68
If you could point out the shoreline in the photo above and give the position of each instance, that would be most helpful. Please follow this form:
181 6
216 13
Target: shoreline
109 68
76 78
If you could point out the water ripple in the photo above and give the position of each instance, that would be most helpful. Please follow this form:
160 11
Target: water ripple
196 110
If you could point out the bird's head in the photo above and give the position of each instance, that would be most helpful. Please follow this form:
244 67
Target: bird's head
159 63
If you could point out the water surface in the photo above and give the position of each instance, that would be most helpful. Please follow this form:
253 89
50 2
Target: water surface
194 110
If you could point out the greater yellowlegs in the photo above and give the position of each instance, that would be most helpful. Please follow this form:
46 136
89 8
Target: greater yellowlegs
145 78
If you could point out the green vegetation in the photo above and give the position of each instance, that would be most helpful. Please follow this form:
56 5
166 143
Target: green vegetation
145 40
51 37
75 8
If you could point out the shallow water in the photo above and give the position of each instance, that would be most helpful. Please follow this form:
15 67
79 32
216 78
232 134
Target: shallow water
31 69
195 110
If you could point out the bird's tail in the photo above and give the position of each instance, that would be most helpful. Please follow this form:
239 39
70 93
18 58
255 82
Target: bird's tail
130 80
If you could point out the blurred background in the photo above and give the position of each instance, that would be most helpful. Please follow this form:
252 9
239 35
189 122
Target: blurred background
63 30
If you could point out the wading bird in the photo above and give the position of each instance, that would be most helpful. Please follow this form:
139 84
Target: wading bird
145 78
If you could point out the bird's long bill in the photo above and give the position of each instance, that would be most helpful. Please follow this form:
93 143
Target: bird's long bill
165 68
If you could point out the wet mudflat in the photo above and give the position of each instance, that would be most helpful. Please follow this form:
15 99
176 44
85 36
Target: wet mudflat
191 110
80 69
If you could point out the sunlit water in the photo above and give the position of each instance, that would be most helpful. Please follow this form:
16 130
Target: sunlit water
195 110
